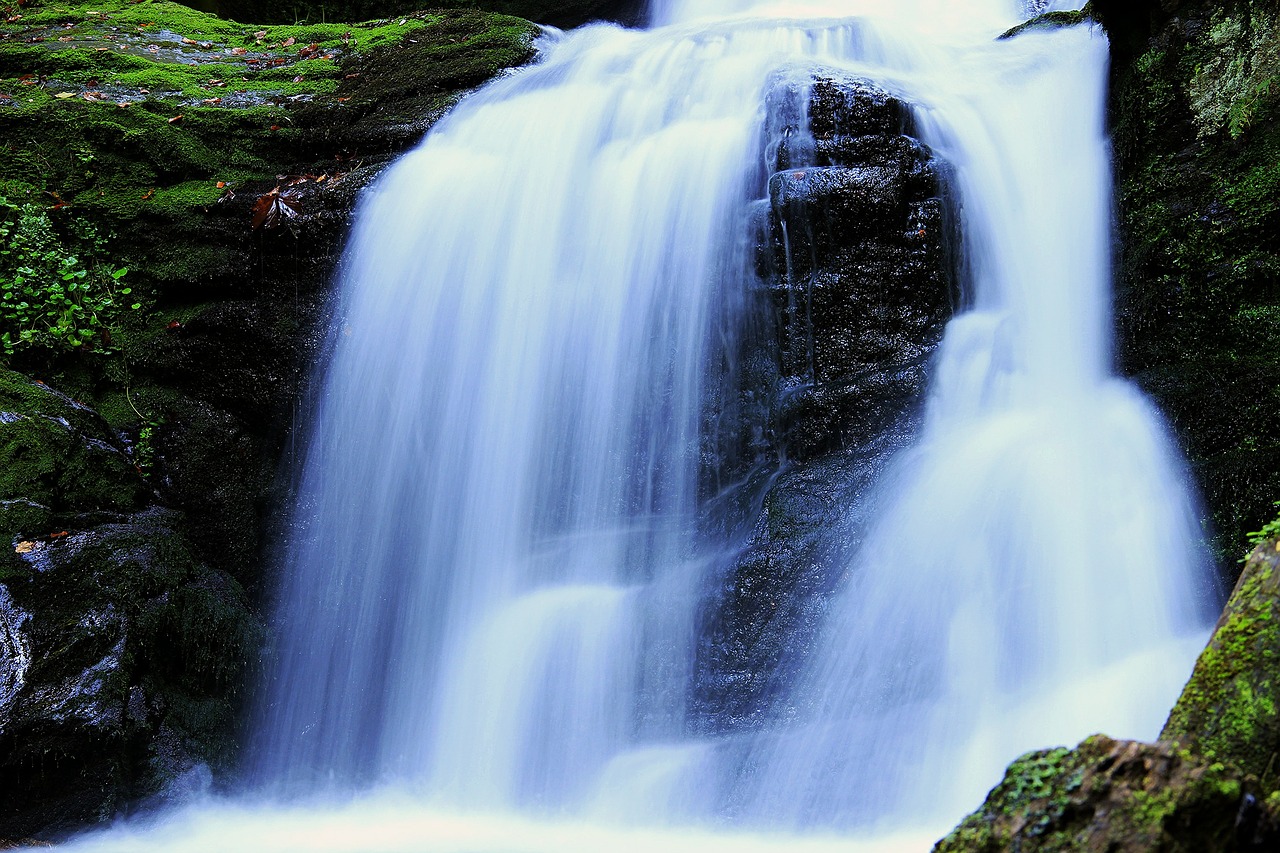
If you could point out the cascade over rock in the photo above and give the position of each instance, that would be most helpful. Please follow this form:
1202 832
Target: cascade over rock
854 258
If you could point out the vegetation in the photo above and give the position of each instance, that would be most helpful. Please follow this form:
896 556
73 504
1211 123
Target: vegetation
50 297
1197 142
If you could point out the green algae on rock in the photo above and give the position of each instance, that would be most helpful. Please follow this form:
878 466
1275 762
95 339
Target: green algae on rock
1118 797
1052 21
1230 709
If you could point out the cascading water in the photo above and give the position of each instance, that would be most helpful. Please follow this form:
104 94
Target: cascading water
491 604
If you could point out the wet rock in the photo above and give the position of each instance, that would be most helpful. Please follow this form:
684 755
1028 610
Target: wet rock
856 276
124 635
1194 114
856 253
1230 709
1119 797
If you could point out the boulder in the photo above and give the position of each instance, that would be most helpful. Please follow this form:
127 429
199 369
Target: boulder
856 281
1229 711
1108 796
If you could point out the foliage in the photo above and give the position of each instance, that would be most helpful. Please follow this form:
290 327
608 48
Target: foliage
1268 531
56 291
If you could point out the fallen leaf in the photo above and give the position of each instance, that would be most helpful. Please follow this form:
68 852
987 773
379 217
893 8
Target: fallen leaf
221 184
65 38
289 42
298 79
173 325
260 35
176 120
188 41
273 208
148 194
308 50
238 51
144 91
65 95
59 535
24 547
212 101
124 104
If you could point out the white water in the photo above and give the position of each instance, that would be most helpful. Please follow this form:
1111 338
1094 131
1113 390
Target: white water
488 627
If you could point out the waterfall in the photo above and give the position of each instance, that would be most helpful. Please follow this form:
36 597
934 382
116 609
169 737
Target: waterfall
491 598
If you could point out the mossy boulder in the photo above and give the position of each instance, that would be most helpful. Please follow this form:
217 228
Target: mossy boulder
123 653
1053 21
1230 709
58 460
1108 796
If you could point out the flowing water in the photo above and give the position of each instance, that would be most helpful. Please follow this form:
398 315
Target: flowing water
492 599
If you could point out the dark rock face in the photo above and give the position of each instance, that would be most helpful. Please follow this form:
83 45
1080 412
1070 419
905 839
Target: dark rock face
1117 797
856 258
857 283
122 651
1196 126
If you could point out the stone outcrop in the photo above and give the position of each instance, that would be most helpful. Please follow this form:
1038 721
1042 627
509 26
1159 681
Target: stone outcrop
1229 711
1108 796
136 500
1211 784
857 280
1195 91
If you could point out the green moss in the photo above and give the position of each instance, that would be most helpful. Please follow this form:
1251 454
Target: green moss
1053 21
1228 710
1197 141
58 457
1117 796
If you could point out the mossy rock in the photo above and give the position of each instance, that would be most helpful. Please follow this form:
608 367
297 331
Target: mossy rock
1053 21
1108 796
1196 127
559 13
135 655
1230 709
57 458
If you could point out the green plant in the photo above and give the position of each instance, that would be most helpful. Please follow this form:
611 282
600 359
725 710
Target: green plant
1270 530
57 290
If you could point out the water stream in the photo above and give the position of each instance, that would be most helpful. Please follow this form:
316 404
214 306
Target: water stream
491 603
